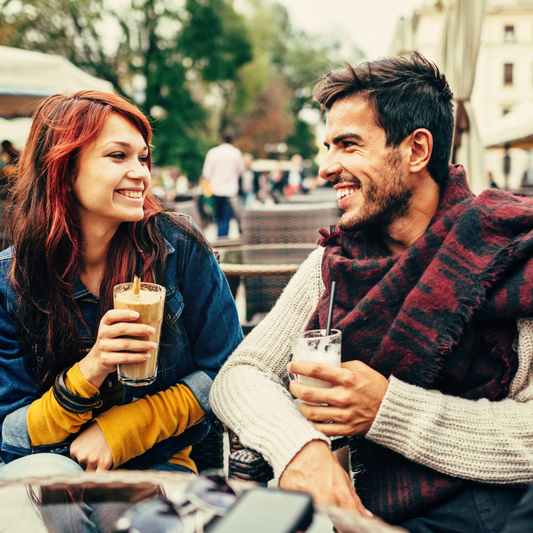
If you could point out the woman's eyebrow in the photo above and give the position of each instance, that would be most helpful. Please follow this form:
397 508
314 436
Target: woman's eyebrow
122 143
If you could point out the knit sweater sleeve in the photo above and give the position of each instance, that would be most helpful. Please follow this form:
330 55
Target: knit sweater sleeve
250 392
490 442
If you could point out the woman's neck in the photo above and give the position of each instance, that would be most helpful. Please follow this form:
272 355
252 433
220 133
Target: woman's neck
94 251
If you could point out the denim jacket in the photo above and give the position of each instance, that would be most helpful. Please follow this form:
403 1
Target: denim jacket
203 313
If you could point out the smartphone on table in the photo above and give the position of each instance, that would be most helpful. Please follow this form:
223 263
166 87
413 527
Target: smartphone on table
264 510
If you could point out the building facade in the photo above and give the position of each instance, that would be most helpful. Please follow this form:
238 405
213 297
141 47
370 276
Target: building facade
504 70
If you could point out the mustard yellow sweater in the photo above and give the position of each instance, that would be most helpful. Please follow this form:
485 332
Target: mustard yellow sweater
129 429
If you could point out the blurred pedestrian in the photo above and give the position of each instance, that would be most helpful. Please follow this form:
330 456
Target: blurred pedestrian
9 157
277 183
248 182
223 167
296 176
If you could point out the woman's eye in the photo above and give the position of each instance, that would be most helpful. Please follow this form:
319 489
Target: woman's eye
143 159
117 155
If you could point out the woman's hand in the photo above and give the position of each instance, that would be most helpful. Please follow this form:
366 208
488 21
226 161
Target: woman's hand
113 345
91 451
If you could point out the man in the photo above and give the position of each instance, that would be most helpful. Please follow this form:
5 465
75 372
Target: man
223 167
433 286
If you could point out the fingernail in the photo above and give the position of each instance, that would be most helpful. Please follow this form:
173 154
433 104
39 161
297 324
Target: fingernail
147 356
289 367
152 345
134 315
369 514
151 330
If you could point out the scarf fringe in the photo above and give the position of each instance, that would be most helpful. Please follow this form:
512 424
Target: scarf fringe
464 313
326 235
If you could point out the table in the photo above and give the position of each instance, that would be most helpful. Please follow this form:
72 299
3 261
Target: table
20 509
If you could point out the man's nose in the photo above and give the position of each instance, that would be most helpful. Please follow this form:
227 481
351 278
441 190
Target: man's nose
329 169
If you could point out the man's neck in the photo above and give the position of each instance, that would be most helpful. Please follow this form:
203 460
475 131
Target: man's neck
404 231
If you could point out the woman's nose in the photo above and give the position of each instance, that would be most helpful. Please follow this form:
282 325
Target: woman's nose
139 171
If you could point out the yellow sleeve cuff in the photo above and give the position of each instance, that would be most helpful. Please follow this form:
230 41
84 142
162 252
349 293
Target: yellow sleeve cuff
77 383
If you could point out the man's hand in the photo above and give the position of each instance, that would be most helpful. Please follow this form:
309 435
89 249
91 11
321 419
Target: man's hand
315 469
352 402
91 451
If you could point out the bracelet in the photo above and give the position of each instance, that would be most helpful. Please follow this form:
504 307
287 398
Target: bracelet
70 401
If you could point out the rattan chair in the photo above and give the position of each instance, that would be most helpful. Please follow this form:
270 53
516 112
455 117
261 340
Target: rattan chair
277 235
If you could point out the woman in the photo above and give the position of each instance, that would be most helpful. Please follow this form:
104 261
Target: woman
81 207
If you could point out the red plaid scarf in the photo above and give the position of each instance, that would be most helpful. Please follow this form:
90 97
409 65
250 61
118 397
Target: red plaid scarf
441 316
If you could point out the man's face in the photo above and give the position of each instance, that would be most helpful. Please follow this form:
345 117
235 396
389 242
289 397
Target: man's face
371 179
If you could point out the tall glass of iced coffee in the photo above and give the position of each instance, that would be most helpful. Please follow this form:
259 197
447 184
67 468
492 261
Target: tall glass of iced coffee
150 304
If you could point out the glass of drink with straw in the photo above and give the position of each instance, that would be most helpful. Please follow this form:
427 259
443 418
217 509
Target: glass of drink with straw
319 346
148 299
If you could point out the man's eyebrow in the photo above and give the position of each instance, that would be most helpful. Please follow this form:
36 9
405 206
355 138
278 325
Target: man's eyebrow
344 136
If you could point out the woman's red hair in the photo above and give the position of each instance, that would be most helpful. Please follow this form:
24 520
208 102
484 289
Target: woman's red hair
45 228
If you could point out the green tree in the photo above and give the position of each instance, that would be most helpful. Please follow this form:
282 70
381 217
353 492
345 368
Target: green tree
160 53
276 85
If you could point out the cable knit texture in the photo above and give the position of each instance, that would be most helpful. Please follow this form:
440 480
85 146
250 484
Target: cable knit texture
490 442
477 440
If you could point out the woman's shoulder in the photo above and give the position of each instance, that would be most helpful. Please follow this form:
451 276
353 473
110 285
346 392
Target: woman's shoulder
180 231
6 258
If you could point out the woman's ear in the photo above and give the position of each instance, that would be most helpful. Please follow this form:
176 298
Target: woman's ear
421 146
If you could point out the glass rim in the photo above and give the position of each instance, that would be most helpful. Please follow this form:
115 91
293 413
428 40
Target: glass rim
156 287
307 334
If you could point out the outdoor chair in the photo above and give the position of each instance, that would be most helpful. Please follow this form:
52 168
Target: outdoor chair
278 235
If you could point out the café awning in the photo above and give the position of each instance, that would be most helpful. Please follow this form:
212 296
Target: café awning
27 77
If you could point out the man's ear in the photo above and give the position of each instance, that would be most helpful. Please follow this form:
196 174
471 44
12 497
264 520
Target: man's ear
421 147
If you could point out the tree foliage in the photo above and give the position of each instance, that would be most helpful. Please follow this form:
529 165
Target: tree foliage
196 67
157 52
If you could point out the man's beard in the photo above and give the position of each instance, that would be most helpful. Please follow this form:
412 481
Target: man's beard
383 202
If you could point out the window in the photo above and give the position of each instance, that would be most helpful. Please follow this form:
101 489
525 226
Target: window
508 34
508 74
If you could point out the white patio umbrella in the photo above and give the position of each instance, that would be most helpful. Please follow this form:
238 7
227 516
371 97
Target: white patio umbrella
461 37
514 129
28 77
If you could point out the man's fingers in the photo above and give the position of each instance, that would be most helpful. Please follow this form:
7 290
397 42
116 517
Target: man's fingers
317 370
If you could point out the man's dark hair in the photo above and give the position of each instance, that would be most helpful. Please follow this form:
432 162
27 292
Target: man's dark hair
407 94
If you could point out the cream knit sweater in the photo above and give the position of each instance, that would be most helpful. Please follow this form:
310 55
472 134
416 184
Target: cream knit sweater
485 441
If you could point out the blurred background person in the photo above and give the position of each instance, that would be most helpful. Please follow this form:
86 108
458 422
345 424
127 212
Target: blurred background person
277 183
8 162
223 167
296 176
249 182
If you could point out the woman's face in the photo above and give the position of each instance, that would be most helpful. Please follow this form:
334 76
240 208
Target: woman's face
113 176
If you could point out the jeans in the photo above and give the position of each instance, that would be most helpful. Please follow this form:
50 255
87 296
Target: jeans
60 512
477 509
223 215
521 519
